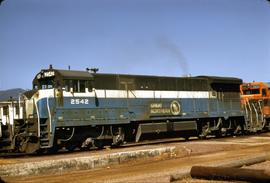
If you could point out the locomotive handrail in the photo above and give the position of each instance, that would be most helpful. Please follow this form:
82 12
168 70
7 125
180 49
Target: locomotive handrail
246 110
259 102
35 102
133 93
256 112
250 116
49 113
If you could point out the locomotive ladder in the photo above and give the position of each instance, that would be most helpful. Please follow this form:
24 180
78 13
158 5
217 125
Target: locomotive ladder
46 129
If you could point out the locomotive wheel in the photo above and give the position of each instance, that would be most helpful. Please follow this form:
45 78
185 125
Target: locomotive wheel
31 148
99 144
186 137
71 146
118 136
218 133
205 130
27 145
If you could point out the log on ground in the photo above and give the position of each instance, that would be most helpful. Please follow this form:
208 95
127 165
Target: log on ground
227 173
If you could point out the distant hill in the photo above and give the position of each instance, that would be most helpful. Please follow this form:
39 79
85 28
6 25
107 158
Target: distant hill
14 93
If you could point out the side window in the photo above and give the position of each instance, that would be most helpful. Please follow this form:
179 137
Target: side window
75 85
67 85
78 86
82 86
89 85
263 92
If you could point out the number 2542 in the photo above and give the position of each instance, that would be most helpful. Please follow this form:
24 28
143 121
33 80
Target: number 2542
79 101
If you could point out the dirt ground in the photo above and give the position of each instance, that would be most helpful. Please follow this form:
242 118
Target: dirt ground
260 166
207 152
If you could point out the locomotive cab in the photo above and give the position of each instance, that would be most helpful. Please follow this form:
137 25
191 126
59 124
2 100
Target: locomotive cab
68 81
255 99
255 90
60 94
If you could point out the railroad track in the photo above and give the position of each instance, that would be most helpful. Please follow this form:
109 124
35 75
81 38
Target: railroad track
130 144
154 171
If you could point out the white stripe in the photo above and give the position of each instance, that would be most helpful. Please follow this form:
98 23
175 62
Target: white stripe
166 94
133 94
141 94
69 94
163 94
98 93
116 93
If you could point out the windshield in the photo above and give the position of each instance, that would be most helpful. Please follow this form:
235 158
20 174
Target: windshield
44 84
251 92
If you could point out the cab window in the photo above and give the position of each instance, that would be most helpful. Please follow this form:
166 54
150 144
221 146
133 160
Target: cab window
251 92
89 85
78 86
264 92
67 85
75 86
46 84
81 86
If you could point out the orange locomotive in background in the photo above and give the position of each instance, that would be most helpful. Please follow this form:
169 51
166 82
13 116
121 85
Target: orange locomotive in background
255 99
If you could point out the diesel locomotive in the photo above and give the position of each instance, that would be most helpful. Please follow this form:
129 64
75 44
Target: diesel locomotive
255 99
83 109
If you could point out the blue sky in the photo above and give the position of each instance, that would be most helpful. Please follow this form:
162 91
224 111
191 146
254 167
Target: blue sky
156 37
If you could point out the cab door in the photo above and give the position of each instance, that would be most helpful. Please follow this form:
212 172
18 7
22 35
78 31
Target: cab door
125 89
59 97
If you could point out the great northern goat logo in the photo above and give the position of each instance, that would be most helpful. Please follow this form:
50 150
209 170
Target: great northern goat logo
175 107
